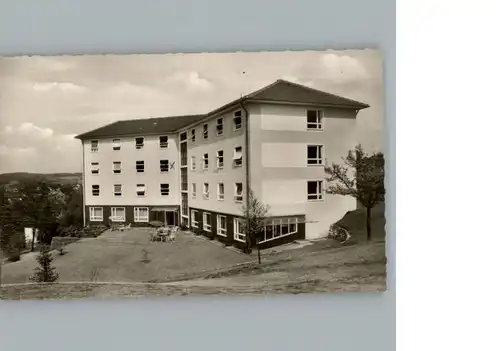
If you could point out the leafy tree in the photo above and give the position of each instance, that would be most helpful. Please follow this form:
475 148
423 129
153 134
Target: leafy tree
362 177
44 273
72 214
255 213
39 206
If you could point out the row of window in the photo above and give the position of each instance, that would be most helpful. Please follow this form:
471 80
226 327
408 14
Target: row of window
314 157
314 122
221 225
314 190
140 189
219 126
277 228
219 159
141 214
140 167
238 191
139 143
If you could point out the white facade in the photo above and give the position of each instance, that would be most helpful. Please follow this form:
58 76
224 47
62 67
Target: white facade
280 172
288 146
127 173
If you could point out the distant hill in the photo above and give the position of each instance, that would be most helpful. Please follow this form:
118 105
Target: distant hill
60 178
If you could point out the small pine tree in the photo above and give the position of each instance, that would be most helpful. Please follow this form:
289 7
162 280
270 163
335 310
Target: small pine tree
44 273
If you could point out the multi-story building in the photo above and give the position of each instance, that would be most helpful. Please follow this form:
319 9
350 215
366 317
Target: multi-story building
197 170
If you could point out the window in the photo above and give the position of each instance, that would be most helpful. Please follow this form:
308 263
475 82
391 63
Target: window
220 191
118 213
206 191
163 141
94 168
164 189
314 119
95 190
207 217
193 163
141 190
219 127
141 214
164 166
117 167
315 190
194 223
238 230
237 120
205 161
221 225
117 189
193 190
139 143
117 144
94 145
279 227
205 131
314 154
238 192
238 156
96 213
139 166
193 135
220 159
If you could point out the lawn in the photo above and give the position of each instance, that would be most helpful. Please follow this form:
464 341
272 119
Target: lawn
321 267
110 266
118 257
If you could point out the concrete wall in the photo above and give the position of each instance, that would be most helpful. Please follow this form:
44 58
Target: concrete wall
151 154
279 170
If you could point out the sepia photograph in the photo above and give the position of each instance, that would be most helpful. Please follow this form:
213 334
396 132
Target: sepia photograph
156 175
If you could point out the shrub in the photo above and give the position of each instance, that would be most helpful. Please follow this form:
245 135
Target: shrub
44 273
145 258
338 233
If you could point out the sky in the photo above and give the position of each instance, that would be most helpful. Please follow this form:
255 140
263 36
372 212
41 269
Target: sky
46 100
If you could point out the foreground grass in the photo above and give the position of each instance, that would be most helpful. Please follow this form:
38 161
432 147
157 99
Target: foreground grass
119 257
318 268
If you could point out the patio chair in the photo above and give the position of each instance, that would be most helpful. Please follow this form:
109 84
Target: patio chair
171 236
125 227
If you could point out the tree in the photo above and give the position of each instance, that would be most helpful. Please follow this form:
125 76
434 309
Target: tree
362 177
39 206
255 213
72 214
44 273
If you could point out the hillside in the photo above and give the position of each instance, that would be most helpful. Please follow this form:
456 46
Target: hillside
60 178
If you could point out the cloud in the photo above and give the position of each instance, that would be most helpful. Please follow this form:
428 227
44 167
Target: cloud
51 86
17 151
192 81
31 129
343 68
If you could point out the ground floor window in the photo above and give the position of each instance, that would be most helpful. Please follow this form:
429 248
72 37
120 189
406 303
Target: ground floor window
96 213
238 230
118 213
194 223
221 225
207 226
278 228
141 214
